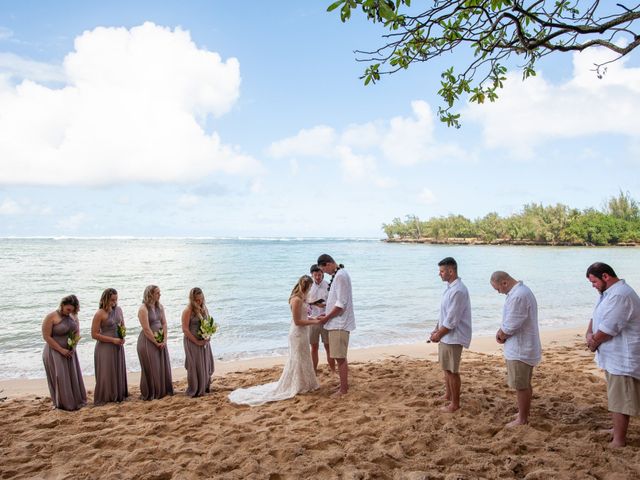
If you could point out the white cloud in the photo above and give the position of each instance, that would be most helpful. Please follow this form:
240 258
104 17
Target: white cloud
5 33
360 147
72 223
294 167
15 67
317 141
188 200
426 197
359 167
9 207
22 207
132 110
363 136
257 186
531 113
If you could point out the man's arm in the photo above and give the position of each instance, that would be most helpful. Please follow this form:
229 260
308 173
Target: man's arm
615 317
501 337
437 334
515 316
457 303
598 339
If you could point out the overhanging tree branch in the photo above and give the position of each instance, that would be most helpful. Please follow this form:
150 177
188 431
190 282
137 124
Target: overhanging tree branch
494 30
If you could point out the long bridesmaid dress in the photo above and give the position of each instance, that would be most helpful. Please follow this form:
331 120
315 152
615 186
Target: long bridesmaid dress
110 366
155 377
64 375
198 362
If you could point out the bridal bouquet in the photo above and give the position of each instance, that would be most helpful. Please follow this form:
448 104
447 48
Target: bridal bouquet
72 340
121 330
207 328
159 336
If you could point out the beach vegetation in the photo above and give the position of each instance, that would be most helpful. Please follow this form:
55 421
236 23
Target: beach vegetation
617 223
493 37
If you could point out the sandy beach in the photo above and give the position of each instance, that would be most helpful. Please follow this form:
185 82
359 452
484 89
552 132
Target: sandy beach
389 426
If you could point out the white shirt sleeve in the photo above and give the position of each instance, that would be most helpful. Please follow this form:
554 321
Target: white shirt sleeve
342 295
457 305
616 316
515 316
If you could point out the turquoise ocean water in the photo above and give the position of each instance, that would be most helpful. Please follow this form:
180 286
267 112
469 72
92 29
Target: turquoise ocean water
247 283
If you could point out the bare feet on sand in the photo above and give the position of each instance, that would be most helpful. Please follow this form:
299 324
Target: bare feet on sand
516 423
450 408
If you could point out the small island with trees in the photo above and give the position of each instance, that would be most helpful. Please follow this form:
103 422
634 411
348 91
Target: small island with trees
616 223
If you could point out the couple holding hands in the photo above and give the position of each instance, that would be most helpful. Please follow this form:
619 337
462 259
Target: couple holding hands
332 319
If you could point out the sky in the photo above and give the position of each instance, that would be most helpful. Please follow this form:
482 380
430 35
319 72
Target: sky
249 119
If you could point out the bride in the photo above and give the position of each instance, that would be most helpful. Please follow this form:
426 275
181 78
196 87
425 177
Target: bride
298 375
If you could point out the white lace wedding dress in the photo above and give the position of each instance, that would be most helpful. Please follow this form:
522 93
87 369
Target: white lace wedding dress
297 377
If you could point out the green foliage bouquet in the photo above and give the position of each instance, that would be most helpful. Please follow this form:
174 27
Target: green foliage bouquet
121 330
207 327
72 340
159 336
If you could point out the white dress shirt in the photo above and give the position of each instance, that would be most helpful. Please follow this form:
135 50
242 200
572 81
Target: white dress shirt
520 320
455 314
316 292
340 296
617 313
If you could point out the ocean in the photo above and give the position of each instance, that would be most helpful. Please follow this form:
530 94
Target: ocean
247 281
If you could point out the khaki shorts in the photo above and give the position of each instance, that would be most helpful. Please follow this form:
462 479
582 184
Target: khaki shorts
623 393
519 374
316 332
338 343
449 356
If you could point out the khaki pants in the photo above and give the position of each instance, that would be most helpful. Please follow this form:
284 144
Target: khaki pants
623 394
519 374
449 356
338 343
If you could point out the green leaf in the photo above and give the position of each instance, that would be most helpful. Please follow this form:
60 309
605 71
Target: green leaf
335 5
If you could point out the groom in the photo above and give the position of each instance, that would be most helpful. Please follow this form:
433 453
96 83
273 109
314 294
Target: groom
339 319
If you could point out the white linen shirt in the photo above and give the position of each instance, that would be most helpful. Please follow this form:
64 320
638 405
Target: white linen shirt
340 296
316 292
455 314
520 320
617 313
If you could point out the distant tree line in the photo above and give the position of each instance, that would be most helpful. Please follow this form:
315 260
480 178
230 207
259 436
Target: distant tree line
617 222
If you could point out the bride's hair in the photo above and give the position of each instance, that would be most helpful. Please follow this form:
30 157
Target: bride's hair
301 288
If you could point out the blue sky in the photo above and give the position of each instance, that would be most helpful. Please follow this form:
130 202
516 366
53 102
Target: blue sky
225 119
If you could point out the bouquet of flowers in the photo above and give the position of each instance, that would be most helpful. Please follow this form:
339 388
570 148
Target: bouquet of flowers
121 330
159 336
72 340
207 327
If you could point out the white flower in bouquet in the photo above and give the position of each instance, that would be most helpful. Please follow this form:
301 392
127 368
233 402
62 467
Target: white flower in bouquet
207 327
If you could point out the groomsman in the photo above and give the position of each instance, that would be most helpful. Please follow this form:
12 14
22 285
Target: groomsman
453 330
521 338
339 318
316 298
614 334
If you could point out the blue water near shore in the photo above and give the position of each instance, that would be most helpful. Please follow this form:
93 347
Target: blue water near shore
247 283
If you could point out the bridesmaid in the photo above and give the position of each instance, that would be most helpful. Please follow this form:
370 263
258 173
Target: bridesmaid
198 357
155 377
61 365
108 356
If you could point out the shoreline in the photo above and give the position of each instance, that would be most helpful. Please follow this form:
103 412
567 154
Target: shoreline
485 344
473 241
